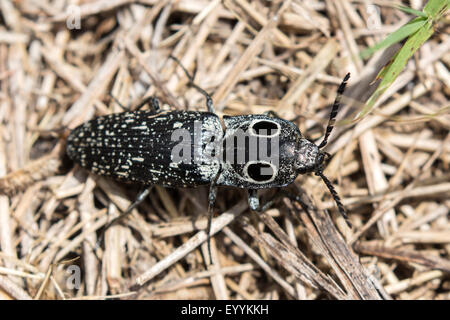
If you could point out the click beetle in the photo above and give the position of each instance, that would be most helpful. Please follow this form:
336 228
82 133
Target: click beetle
192 148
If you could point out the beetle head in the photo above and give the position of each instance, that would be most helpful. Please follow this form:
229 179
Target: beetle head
307 156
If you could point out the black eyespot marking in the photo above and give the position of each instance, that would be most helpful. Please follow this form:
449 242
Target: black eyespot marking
260 172
265 128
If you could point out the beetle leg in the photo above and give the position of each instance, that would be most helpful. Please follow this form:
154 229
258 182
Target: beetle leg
272 114
152 101
253 200
254 203
255 206
139 199
209 101
211 200
119 103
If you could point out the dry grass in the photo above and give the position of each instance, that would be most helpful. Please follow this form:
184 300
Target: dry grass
391 169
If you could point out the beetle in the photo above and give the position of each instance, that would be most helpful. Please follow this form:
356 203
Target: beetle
192 148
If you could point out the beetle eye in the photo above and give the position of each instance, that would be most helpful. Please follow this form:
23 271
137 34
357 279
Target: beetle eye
265 128
260 172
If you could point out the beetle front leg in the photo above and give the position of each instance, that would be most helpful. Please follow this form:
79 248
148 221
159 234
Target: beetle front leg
272 114
253 200
255 205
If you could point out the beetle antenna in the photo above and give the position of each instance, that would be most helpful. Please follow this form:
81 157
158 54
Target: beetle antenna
334 111
209 101
335 197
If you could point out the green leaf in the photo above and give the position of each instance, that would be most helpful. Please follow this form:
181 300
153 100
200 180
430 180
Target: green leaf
411 11
390 72
385 69
435 9
397 36
418 30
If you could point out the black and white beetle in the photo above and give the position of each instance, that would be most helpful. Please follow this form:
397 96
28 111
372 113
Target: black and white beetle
141 147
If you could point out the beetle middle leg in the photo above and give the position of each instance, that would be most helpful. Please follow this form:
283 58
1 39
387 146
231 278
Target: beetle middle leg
209 101
152 101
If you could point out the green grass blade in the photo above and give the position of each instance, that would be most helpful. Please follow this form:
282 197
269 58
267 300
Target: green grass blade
397 36
390 72
411 11
418 30
435 9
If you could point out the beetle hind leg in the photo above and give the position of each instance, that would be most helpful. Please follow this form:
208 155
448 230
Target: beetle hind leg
139 199
211 201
